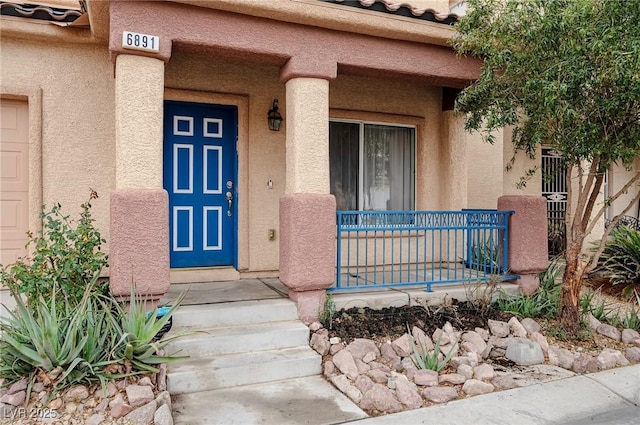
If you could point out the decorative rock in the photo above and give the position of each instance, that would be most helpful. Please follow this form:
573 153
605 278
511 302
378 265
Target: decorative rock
143 415
442 336
335 348
315 326
402 346
161 381
497 342
472 341
70 407
460 360
335 340
390 356
6 410
407 363
607 359
95 419
422 340
483 333
342 383
14 399
504 382
381 366
369 357
465 370
498 328
452 378
18 386
621 360
542 340
407 393
474 387
524 352
593 322
55 404
628 335
636 342
362 366
516 329
111 389
360 347
497 353
162 416
163 398
380 398
633 354
346 364
76 393
329 368
426 378
139 395
363 383
530 325
581 363
440 394
118 407
145 381
320 343
483 372
561 357
378 376
609 331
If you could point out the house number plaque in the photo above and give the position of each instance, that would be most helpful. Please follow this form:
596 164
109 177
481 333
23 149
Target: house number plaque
137 41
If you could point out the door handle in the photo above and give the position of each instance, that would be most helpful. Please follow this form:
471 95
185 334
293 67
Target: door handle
229 196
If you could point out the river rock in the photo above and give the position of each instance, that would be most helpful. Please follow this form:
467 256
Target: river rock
524 352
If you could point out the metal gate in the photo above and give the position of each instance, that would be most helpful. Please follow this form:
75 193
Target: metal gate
554 188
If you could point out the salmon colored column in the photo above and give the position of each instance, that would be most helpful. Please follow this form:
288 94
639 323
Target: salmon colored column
139 246
307 210
528 244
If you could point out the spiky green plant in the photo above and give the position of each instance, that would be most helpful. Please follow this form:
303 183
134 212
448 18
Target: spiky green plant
620 260
424 358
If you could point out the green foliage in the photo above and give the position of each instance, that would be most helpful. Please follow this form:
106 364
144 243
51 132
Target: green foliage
69 343
620 260
66 255
138 328
424 358
545 302
329 312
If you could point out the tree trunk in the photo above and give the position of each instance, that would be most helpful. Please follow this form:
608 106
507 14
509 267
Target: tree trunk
571 284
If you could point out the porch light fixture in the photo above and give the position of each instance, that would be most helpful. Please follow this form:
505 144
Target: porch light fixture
273 117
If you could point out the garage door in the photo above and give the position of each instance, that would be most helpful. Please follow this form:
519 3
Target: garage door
14 179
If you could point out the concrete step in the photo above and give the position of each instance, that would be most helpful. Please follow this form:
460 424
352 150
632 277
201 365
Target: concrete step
309 400
209 373
234 313
242 338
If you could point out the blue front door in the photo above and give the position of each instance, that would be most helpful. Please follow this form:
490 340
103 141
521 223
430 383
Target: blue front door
200 175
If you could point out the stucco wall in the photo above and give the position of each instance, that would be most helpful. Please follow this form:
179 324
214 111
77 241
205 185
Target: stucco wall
76 83
618 177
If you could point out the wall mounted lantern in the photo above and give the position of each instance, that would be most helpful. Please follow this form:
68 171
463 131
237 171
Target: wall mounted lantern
273 117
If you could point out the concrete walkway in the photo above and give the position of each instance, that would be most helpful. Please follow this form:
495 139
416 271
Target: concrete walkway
610 397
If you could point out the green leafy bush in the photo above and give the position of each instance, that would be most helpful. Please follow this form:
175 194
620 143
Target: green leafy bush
66 255
620 260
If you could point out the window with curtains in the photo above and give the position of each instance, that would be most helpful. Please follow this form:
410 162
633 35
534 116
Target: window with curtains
372 165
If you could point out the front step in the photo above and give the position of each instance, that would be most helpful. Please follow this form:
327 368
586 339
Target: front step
210 373
234 313
242 338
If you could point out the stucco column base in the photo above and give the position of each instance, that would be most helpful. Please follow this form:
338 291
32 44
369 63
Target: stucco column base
529 283
139 246
310 304
307 241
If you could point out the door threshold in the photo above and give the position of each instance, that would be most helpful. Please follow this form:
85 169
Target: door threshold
204 274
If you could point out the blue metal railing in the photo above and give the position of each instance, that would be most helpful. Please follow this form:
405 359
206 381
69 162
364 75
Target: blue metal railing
377 249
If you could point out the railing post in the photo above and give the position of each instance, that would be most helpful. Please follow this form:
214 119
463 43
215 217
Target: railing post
338 247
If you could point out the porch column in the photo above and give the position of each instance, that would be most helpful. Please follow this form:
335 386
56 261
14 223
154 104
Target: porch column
139 246
454 152
307 210
528 245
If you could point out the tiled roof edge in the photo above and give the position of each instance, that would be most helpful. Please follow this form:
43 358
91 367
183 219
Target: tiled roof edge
397 7
43 13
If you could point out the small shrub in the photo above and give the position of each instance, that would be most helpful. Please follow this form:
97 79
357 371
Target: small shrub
620 260
329 312
545 302
66 257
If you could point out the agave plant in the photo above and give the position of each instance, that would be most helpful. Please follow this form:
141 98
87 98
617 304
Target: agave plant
424 358
138 328
620 259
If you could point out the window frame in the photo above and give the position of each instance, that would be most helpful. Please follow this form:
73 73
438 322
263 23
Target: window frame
361 124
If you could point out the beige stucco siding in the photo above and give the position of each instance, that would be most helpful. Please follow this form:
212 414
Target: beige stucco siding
76 82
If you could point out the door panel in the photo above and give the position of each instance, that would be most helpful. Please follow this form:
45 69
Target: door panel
200 161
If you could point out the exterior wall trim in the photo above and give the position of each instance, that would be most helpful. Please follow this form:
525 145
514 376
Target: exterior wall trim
33 97
242 146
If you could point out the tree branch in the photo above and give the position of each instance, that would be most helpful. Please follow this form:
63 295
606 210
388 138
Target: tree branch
612 199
